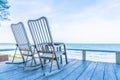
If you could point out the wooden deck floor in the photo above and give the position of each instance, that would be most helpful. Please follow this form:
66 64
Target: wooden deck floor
74 70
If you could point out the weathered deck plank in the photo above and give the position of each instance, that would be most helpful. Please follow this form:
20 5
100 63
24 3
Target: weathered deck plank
99 72
109 72
87 74
117 71
77 71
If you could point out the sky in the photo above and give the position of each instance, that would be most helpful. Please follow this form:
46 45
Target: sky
71 21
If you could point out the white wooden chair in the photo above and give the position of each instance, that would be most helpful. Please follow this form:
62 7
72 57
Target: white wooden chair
43 41
27 50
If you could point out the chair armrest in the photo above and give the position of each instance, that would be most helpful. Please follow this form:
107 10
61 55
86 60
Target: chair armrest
60 46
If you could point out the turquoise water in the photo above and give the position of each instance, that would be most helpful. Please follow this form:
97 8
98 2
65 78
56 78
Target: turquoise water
116 47
7 47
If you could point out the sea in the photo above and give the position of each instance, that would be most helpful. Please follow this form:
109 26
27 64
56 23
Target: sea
7 47
92 56
92 46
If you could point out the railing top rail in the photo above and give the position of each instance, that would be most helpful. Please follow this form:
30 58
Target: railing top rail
95 50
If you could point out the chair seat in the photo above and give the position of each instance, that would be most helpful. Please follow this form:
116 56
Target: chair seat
51 56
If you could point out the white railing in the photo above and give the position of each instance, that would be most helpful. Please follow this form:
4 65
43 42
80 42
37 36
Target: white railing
84 53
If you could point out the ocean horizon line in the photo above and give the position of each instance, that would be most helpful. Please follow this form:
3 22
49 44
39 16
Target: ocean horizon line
68 43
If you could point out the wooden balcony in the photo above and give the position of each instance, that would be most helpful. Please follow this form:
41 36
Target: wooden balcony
76 69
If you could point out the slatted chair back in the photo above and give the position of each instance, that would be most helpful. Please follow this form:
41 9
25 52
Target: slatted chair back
41 35
20 36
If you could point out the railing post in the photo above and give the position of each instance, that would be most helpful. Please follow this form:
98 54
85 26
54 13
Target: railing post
83 55
117 57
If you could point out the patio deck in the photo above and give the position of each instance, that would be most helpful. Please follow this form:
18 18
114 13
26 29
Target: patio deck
75 70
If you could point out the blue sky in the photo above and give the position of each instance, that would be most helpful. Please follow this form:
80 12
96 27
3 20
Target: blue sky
76 21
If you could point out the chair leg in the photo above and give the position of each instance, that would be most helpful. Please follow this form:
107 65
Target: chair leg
34 59
23 57
65 53
51 65
26 61
44 61
61 59
57 63
14 55
66 58
31 62
40 60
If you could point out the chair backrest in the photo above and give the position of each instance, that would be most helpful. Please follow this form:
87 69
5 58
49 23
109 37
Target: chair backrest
41 34
20 36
